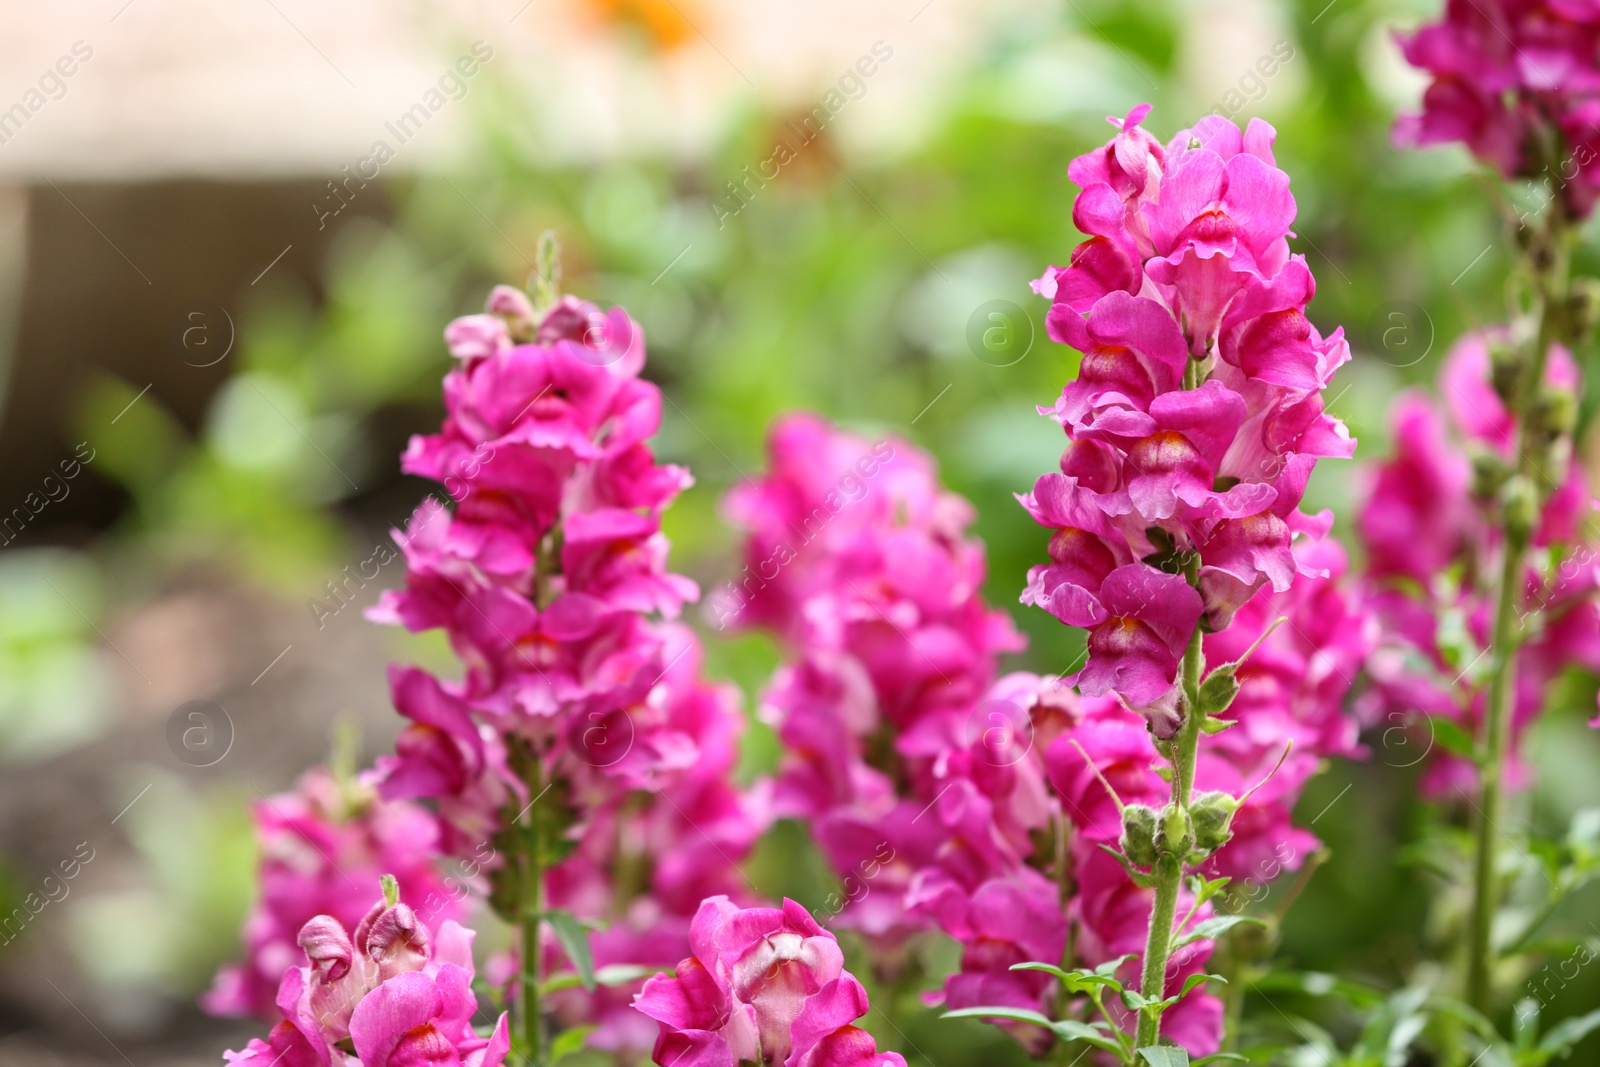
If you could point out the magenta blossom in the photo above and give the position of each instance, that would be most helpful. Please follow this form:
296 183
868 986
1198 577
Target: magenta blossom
764 985
1517 82
322 846
1196 416
391 994
549 573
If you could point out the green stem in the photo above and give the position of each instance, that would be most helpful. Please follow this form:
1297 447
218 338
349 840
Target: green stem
1168 869
1496 729
1168 873
1065 889
1550 291
532 1020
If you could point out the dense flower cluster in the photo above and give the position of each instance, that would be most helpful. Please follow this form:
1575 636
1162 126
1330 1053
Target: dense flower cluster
1196 416
763 985
323 847
550 578
901 750
390 994
1517 82
931 809
1433 540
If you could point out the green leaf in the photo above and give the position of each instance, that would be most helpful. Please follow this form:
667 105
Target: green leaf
1321 984
1453 738
1194 980
1216 726
1096 1034
1020 1015
1525 1023
611 975
1110 967
1206 888
615 974
1569 1032
1137 1001
569 1041
1140 878
1394 1026
1213 928
1220 1057
1165 1056
574 940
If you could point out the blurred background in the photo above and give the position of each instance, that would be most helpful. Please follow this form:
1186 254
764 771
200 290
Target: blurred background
231 236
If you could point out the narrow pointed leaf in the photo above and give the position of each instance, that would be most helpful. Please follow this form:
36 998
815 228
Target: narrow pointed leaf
575 943
1020 1015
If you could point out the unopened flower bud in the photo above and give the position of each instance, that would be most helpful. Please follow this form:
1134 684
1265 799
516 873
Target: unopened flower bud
1489 473
1583 308
327 946
1174 833
1505 370
476 336
1520 502
1212 812
1139 834
1556 412
339 978
567 320
1218 690
515 308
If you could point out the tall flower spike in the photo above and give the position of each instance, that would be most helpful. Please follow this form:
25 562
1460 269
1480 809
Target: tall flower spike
1196 417
1423 519
582 712
1192 427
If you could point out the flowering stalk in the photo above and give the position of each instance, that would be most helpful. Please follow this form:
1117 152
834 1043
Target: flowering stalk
1522 499
533 874
1527 120
1193 424
1167 873
582 748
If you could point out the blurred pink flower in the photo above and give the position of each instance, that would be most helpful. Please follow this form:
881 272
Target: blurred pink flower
1509 78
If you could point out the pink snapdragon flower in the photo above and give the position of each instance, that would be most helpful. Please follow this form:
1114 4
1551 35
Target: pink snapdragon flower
1517 82
322 847
390 994
1196 416
764 985
548 571
860 561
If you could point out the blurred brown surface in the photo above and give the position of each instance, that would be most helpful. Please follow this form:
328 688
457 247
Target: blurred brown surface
111 272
